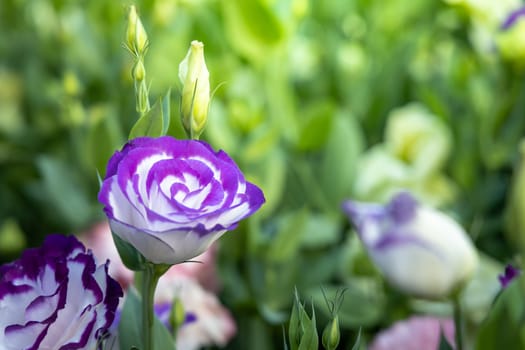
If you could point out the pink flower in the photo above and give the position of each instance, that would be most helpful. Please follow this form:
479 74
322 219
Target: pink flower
212 324
415 333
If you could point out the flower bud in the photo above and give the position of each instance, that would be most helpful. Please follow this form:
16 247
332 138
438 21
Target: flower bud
420 250
331 334
177 314
138 72
194 77
136 37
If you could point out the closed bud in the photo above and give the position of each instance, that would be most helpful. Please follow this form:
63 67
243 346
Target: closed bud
138 72
331 334
177 314
136 37
194 77
419 250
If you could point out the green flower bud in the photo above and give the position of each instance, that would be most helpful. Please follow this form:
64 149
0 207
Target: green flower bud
194 77
331 334
177 314
138 72
136 37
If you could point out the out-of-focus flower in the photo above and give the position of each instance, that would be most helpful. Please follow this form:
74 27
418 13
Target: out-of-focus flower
509 275
415 333
420 250
206 323
511 37
416 147
195 79
171 199
55 297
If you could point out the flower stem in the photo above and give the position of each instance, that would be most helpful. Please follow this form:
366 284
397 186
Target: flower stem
458 323
149 282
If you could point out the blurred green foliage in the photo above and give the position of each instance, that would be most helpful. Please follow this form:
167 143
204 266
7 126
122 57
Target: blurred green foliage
305 90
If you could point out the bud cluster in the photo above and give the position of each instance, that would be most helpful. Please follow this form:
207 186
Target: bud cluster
137 44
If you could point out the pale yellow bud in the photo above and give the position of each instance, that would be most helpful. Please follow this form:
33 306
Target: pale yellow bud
136 37
139 72
195 78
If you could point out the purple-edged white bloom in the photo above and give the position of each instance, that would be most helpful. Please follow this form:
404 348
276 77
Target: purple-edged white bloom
420 250
55 297
171 199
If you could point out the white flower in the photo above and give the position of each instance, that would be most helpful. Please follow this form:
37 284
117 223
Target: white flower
420 250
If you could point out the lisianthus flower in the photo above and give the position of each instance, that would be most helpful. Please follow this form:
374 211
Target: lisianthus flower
420 250
56 297
415 333
171 199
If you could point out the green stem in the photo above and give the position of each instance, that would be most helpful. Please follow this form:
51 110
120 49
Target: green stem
149 282
458 323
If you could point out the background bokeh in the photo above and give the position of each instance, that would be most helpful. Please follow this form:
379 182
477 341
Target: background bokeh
317 101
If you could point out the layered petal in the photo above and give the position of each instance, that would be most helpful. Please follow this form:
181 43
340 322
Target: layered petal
55 297
172 198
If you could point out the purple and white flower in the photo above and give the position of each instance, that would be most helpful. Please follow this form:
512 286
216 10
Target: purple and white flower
171 199
419 250
55 297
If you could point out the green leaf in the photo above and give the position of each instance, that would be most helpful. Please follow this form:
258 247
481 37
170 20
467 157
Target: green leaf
62 192
130 322
321 230
338 168
156 122
504 327
363 304
302 332
288 239
294 328
252 27
130 256
316 126
310 338
357 343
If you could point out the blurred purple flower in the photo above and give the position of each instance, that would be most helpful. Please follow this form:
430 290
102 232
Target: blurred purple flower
509 275
55 297
415 333
420 250
171 199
